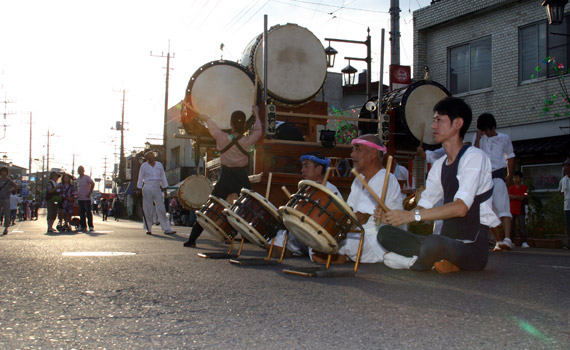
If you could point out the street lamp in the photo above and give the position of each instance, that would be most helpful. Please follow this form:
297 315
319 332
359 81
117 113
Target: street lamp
555 10
347 71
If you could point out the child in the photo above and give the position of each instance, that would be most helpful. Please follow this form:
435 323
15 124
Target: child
517 194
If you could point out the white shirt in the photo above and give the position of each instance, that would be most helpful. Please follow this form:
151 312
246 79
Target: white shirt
564 187
333 189
474 176
432 156
499 148
152 174
14 200
361 201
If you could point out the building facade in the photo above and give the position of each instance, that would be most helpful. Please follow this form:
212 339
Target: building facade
487 53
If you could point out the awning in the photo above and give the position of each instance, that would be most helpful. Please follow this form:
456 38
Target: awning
543 146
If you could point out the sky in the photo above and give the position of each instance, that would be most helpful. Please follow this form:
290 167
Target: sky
67 62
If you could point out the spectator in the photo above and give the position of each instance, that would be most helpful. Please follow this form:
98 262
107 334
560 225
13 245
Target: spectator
104 209
85 186
116 208
6 187
53 200
69 195
14 200
517 194
564 187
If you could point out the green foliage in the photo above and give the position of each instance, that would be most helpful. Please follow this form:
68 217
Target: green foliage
559 71
545 218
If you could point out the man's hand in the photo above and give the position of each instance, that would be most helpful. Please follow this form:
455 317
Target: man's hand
255 111
398 217
421 152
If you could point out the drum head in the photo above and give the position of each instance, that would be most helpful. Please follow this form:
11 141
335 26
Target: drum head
248 232
219 88
418 102
308 231
263 201
194 192
296 63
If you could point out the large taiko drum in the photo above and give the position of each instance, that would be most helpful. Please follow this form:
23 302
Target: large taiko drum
296 64
318 217
412 107
217 89
255 218
194 192
212 218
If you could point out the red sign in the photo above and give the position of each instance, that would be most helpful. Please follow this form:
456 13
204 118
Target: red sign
400 76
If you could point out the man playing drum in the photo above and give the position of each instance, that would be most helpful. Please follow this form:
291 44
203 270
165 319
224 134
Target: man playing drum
234 158
463 178
313 167
367 153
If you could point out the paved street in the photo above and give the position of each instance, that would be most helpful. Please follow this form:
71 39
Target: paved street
163 296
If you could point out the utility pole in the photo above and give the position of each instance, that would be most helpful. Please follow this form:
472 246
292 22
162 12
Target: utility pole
48 136
73 166
30 160
6 113
105 175
164 136
122 150
395 31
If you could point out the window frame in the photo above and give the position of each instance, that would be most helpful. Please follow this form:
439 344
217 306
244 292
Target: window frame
469 68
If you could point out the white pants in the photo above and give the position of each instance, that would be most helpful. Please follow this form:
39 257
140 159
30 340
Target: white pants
152 194
293 244
501 202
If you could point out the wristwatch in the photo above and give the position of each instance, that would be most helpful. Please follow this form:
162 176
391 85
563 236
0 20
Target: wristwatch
417 215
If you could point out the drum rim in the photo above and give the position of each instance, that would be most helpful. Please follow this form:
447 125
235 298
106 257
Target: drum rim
181 199
336 199
289 213
264 201
218 232
236 222
219 200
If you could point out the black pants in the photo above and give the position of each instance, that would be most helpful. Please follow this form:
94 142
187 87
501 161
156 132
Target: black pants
433 248
231 180
85 213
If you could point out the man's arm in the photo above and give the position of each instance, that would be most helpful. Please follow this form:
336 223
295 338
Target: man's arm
447 211
477 138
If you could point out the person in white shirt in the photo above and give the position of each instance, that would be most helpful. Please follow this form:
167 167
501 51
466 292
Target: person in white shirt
367 153
14 201
564 188
463 179
152 181
313 167
499 148
85 186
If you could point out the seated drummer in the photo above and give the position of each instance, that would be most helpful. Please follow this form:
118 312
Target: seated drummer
313 167
367 153
463 179
234 159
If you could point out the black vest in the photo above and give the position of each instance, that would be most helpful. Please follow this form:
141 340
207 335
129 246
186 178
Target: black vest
464 228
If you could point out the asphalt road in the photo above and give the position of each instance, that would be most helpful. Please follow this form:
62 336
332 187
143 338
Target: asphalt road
54 294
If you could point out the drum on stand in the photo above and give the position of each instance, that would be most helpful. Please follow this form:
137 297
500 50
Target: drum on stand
317 217
212 218
296 64
413 113
254 217
194 192
217 89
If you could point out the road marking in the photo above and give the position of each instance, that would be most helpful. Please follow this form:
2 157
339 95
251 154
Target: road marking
97 253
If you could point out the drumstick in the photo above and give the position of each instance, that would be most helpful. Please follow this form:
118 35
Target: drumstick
372 193
268 185
326 177
287 193
386 180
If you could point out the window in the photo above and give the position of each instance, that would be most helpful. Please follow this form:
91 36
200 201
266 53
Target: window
175 157
470 66
545 177
539 41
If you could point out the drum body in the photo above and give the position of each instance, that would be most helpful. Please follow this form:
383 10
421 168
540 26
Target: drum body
412 109
296 64
194 192
318 217
254 217
212 218
217 89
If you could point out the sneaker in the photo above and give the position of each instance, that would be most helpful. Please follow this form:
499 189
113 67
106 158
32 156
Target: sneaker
497 248
445 266
149 233
506 244
5 231
169 232
399 262
525 245
91 229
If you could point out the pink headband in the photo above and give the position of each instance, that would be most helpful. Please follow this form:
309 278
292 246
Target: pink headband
368 144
